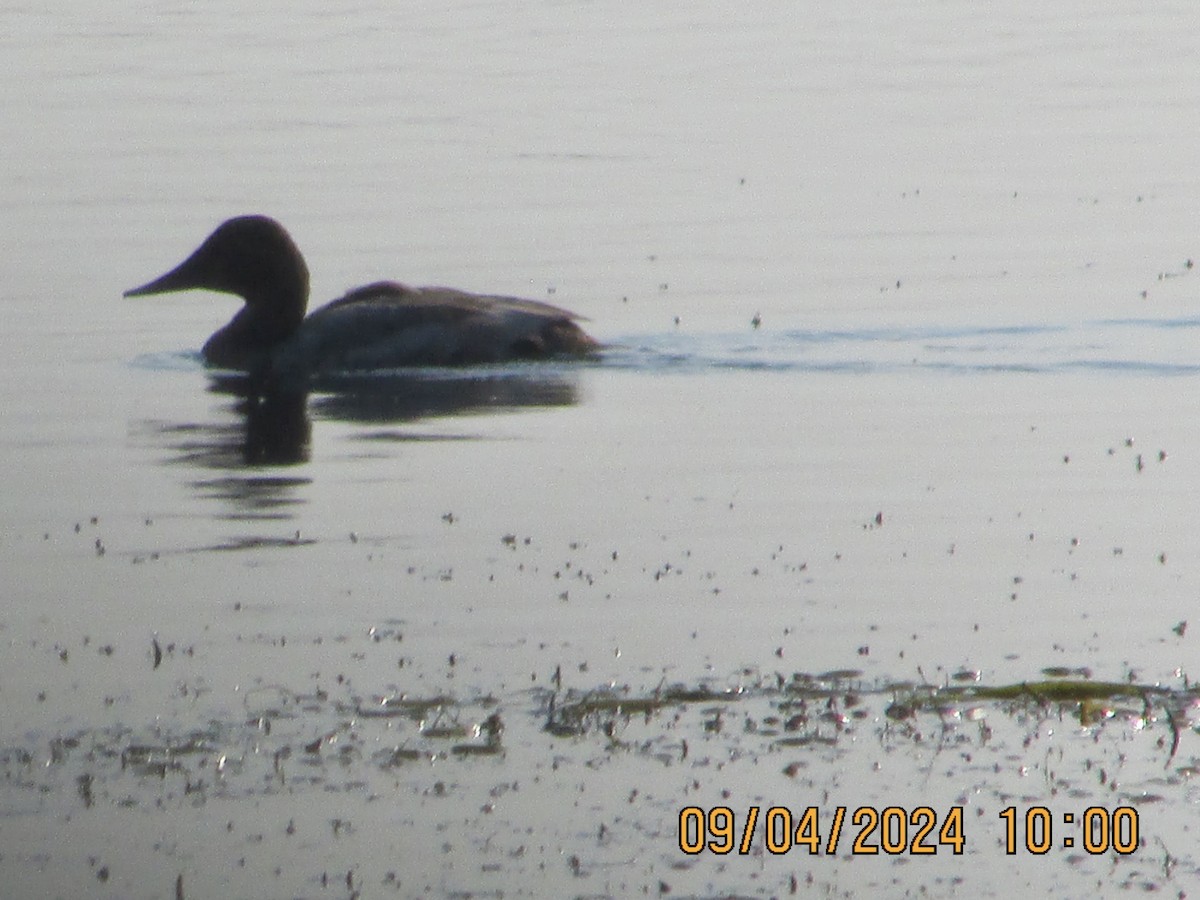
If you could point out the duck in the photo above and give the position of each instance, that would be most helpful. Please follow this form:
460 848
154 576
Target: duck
383 325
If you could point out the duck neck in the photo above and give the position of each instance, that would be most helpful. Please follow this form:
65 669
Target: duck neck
260 326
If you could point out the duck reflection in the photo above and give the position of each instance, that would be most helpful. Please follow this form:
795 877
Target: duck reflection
402 398
262 428
256 429
272 426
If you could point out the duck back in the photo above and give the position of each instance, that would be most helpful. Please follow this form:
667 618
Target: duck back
391 325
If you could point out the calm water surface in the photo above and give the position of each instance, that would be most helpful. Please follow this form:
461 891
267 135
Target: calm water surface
900 394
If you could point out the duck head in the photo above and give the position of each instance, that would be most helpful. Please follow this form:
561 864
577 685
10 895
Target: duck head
256 259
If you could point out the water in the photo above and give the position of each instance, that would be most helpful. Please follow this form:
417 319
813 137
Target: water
901 379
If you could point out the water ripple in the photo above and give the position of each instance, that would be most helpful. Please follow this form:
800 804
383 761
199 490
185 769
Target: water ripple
1142 347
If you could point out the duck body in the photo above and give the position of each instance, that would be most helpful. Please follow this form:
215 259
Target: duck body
388 324
385 325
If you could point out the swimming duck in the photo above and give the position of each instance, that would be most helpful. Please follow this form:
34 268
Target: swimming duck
378 326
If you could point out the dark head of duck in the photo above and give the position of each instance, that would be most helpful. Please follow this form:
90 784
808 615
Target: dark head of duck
256 259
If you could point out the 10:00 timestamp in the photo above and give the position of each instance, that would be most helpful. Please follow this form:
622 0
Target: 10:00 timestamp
1103 830
895 830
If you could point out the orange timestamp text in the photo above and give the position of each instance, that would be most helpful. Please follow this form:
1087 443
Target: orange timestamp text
892 830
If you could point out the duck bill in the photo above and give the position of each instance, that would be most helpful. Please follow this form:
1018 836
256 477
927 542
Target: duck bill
181 278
